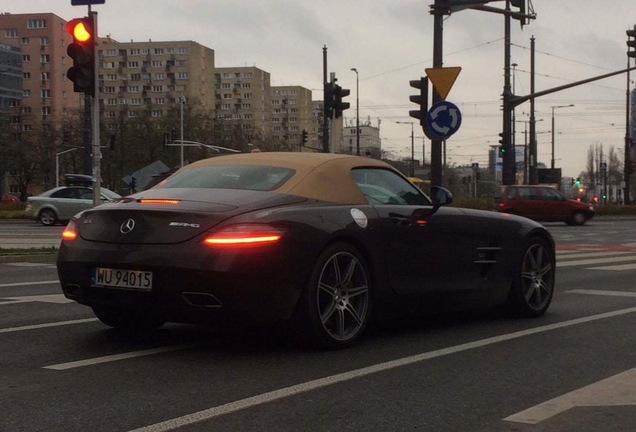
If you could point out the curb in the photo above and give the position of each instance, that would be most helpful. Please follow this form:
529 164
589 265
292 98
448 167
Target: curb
35 258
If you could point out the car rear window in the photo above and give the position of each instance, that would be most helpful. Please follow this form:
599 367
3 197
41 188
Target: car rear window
247 177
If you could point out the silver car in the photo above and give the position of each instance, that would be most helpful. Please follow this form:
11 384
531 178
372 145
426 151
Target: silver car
62 203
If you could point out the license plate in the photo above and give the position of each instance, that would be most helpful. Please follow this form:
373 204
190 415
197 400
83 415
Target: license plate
118 278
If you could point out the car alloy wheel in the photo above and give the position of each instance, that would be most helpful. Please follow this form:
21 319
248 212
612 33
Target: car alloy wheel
335 307
47 217
532 290
578 218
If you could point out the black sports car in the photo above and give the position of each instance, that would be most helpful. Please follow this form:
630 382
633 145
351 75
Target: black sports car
323 242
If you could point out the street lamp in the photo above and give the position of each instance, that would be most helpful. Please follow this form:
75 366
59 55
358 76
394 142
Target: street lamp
553 108
357 112
57 165
412 148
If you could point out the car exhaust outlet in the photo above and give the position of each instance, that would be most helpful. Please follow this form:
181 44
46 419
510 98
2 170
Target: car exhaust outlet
72 290
201 299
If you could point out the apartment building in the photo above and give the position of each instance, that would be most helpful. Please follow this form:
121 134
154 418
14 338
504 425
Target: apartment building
291 114
47 95
137 78
243 107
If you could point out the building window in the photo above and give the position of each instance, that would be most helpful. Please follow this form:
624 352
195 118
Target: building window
135 101
133 114
246 85
182 75
109 114
160 101
181 63
26 128
157 113
109 65
45 76
226 106
133 89
111 52
159 76
44 58
110 89
25 40
247 75
26 75
182 50
36 23
135 77
11 33
26 58
111 101
44 40
46 111
158 51
45 93
158 63
132 64
227 95
157 88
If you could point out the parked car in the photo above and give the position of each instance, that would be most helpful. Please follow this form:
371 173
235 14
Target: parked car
321 242
10 198
60 204
543 203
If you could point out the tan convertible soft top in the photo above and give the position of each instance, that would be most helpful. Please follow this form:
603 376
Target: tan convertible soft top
321 176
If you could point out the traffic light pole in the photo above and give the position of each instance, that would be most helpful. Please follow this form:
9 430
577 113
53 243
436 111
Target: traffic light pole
97 153
438 46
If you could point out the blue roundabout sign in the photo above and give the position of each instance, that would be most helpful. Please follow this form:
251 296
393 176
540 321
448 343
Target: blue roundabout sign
443 120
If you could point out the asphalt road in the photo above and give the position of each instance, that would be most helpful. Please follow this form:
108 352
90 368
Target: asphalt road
571 370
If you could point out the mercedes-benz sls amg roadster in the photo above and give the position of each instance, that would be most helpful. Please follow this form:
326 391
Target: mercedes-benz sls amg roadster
320 242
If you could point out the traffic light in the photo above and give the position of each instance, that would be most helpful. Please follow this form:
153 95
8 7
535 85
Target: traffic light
421 99
339 105
82 51
631 42
501 148
577 181
304 135
133 184
330 95
521 4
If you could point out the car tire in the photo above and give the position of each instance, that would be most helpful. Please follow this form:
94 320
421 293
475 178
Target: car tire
578 218
533 285
47 217
334 308
127 320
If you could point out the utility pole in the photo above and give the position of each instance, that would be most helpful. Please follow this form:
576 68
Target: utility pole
325 117
438 62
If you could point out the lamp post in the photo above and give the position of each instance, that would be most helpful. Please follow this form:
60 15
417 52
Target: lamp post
357 112
57 165
412 148
182 101
553 108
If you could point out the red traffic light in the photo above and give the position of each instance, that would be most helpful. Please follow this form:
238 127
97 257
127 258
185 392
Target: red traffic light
81 29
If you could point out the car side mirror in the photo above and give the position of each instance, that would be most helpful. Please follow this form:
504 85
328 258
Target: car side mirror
441 196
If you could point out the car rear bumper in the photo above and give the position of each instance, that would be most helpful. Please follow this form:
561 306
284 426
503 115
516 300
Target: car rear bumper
191 284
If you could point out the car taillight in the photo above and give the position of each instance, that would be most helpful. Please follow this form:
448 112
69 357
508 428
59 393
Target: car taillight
158 201
244 235
70 232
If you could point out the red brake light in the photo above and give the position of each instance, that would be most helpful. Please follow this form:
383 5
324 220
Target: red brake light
158 201
245 235
70 232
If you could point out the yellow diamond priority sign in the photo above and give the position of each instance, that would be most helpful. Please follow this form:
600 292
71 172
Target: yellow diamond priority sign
443 79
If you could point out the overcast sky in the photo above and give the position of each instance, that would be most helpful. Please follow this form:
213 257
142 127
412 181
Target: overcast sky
391 42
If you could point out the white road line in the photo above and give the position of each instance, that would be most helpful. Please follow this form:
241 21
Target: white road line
614 391
241 404
115 357
605 293
17 284
621 267
594 261
46 325
47 298
569 255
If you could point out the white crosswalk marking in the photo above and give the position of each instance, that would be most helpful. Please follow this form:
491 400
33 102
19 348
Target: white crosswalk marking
598 260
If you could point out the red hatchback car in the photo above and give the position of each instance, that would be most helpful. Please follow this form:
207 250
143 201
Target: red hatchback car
543 203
